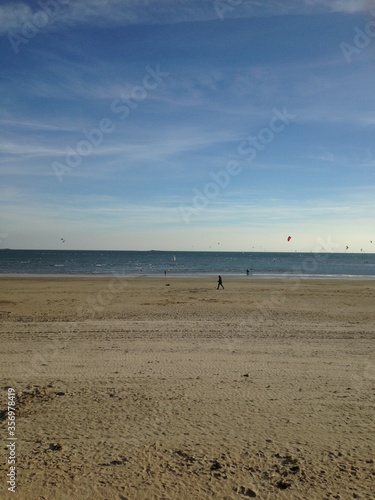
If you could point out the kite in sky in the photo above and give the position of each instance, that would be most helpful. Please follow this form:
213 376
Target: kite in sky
289 238
63 240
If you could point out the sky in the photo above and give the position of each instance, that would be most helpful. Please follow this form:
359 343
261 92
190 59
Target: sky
187 125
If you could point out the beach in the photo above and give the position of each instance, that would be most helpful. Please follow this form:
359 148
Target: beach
167 388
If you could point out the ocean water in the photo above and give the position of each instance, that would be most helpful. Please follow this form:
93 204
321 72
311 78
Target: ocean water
154 263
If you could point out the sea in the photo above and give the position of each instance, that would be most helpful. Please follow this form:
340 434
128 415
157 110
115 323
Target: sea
161 263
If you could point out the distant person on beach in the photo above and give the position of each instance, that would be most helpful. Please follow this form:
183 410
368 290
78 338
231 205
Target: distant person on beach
247 272
165 273
220 283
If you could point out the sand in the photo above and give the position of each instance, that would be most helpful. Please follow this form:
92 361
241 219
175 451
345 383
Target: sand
166 388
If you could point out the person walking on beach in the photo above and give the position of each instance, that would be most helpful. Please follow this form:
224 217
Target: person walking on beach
220 283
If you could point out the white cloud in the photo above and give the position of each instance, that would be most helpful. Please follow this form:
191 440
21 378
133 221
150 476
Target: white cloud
13 16
348 6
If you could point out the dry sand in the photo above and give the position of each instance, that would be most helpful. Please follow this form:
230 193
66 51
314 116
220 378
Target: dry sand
132 389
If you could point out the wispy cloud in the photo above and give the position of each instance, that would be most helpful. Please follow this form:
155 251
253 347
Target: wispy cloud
347 6
130 12
13 16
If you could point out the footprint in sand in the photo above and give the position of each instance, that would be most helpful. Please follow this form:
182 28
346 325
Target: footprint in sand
247 492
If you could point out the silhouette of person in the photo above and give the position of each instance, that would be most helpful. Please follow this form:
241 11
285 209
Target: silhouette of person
247 272
220 283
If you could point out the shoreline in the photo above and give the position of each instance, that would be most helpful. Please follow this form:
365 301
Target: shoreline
232 276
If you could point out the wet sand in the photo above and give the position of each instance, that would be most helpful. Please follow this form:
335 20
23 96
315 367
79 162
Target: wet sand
166 388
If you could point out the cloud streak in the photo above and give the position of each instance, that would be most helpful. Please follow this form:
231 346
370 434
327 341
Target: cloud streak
135 12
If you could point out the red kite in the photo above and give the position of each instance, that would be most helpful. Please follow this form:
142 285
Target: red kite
289 238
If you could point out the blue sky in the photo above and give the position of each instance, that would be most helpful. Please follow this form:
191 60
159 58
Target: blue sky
161 124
